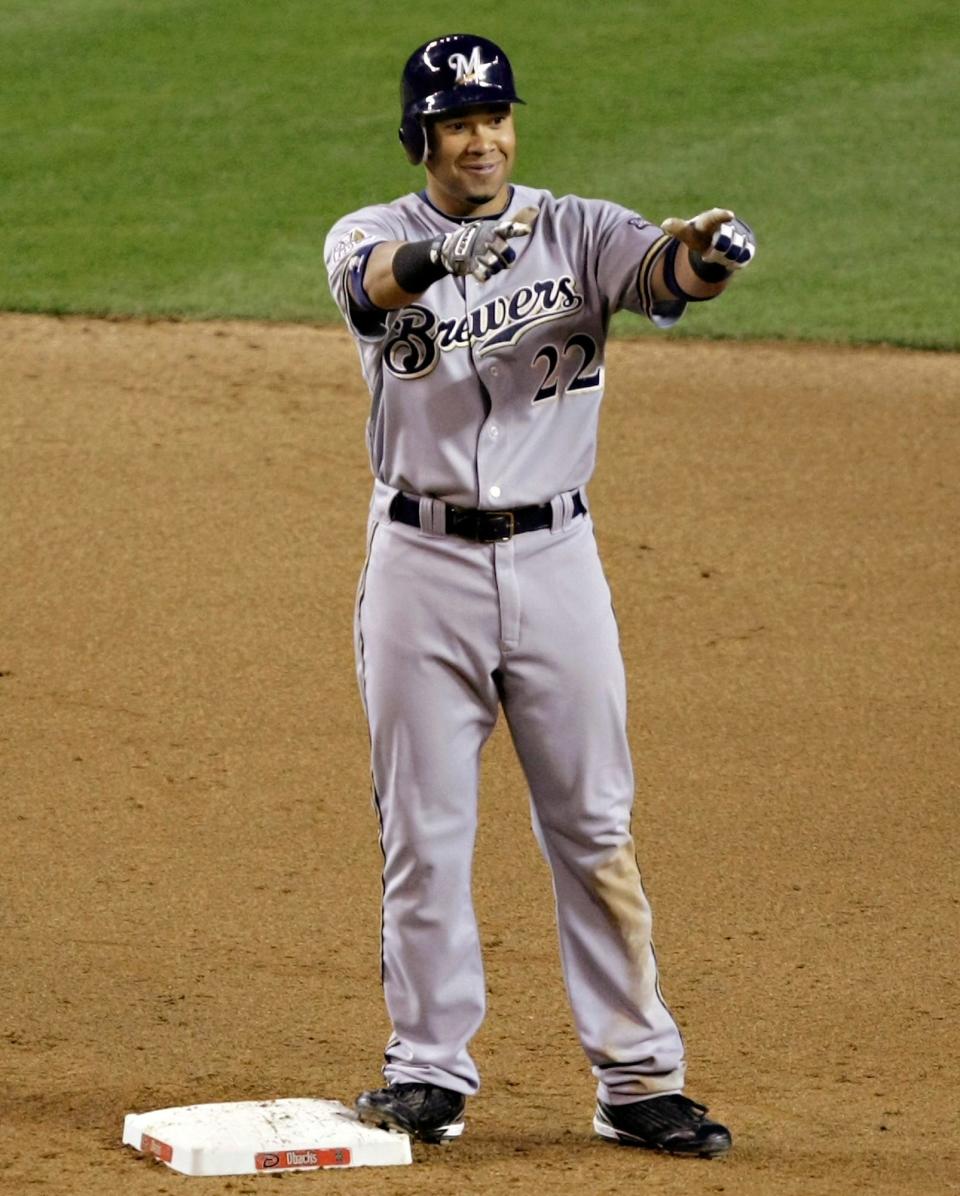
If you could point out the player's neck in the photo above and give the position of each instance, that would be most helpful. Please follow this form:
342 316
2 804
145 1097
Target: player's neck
465 208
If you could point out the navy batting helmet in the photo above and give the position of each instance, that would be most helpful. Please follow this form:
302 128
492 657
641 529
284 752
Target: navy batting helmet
450 72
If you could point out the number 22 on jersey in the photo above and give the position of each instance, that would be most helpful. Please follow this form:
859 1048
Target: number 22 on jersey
584 378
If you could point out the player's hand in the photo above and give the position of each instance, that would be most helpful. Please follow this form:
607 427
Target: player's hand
480 248
717 236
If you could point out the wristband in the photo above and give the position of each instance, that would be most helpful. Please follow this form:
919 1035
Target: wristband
417 265
707 271
670 272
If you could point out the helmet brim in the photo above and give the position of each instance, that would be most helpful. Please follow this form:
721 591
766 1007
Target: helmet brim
471 95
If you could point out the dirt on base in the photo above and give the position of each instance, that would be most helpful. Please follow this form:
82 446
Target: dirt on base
190 877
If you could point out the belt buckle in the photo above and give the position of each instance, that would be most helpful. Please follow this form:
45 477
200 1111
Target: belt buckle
497 526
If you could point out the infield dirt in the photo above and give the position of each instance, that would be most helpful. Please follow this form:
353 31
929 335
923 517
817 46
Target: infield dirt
190 884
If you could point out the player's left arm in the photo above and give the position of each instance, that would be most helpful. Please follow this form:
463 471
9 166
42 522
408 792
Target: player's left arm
702 256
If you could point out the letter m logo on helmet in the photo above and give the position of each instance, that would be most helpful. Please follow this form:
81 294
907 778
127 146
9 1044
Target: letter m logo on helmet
459 70
469 70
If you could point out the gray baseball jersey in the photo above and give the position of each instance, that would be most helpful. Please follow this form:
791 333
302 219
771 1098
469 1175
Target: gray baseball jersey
486 395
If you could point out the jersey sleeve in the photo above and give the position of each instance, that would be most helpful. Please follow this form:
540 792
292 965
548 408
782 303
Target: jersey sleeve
627 249
345 252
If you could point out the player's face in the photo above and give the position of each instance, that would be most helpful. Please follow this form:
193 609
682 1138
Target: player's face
470 161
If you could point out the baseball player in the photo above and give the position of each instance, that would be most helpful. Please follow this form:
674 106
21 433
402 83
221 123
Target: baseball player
480 309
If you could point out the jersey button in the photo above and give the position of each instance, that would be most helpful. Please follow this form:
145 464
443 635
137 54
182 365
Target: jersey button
494 491
495 370
493 432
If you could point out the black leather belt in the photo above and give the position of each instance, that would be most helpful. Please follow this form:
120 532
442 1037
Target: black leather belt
485 526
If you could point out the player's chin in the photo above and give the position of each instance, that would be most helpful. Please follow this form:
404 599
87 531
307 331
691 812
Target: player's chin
484 190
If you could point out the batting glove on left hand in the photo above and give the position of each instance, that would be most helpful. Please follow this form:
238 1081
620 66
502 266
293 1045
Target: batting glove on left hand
718 236
480 248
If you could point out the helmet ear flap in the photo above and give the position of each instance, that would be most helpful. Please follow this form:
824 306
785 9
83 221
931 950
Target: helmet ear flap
413 138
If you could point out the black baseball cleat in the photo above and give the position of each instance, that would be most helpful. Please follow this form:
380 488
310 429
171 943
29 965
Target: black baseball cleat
673 1124
424 1111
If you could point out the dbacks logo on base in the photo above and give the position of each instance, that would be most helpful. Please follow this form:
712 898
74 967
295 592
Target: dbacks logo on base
280 1160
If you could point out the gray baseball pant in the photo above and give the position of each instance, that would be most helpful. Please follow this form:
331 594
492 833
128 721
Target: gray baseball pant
447 632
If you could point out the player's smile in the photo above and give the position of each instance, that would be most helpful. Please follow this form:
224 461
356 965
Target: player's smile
470 161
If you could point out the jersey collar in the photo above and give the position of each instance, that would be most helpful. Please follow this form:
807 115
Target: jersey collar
465 219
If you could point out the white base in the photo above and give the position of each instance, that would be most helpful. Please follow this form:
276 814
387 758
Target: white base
262 1137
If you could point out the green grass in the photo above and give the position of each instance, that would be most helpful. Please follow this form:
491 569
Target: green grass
187 156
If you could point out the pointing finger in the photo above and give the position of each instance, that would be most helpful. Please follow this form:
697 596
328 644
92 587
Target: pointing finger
698 232
520 224
709 222
527 216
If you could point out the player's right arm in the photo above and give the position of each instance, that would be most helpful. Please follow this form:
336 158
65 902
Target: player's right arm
347 250
380 280
372 273
394 273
